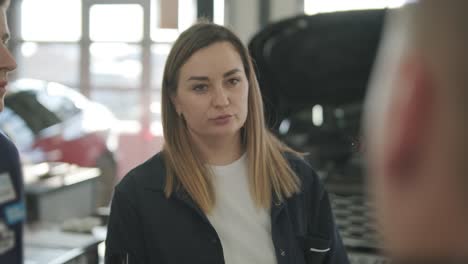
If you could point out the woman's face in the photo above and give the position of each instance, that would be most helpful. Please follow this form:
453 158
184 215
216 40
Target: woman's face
212 92
7 62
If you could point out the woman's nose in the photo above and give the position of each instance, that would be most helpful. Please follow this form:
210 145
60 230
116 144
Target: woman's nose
7 62
220 98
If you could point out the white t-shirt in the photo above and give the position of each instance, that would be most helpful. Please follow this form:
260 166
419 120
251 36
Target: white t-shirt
244 230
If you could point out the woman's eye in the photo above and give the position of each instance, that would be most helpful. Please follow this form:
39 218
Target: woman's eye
200 87
233 81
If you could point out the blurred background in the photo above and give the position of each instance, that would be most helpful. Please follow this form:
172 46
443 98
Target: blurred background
84 103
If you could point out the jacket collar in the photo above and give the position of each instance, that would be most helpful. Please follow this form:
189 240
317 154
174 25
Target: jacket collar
276 207
157 181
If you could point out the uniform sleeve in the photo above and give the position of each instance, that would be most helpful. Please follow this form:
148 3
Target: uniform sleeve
10 153
17 173
323 244
10 163
337 252
124 242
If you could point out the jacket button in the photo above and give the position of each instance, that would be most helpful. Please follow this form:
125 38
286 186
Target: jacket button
282 253
214 240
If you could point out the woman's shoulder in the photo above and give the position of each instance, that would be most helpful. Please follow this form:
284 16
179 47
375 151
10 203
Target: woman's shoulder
303 169
8 152
299 163
148 175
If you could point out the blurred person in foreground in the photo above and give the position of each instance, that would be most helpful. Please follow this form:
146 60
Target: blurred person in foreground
12 211
416 128
223 189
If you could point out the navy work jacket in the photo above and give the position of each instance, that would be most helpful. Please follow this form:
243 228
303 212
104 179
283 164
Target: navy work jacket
146 227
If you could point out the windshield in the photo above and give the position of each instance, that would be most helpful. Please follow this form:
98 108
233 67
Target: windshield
36 116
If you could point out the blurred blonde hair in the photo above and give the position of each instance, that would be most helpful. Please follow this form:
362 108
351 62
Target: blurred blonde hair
438 31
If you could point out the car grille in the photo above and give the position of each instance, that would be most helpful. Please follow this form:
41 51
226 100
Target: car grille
354 220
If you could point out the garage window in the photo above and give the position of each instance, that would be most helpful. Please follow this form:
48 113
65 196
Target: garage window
323 6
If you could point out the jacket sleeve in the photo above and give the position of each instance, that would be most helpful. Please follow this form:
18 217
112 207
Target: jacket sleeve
124 242
323 243
337 253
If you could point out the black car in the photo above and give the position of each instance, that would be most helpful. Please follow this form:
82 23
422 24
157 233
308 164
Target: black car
313 72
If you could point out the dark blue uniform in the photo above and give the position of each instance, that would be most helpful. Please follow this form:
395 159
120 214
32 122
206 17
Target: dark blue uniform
12 213
146 227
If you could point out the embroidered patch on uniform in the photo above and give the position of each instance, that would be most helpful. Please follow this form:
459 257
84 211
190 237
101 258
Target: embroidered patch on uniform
15 213
7 191
7 238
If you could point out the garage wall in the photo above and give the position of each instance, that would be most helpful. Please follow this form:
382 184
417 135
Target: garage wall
243 16
280 9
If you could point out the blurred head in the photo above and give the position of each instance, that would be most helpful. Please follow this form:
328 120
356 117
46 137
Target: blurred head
416 127
7 62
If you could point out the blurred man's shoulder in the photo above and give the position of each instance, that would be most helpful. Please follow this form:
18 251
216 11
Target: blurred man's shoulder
6 145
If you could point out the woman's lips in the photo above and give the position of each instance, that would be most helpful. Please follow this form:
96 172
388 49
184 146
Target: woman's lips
222 119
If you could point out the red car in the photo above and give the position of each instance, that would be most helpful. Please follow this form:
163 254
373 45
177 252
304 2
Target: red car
52 122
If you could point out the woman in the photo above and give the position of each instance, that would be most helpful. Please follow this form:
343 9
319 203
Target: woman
223 189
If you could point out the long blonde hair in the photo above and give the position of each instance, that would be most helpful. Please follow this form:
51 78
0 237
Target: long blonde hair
269 172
